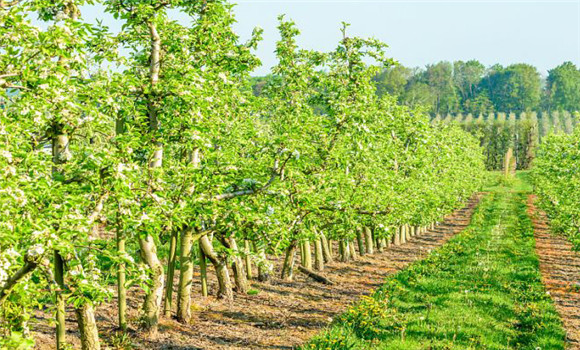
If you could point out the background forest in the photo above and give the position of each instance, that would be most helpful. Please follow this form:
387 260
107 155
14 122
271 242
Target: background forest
470 87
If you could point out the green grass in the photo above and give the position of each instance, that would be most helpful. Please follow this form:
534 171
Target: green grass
482 290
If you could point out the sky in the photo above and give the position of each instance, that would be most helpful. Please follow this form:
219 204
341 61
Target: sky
542 33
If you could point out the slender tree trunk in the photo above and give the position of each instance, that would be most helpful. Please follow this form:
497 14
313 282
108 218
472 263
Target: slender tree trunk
186 255
360 241
408 232
121 280
153 298
383 243
318 254
288 267
265 268
221 269
326 249
378 245
238 268
331 248
307 255
344 250
170 274
88 327
60 154
203 271
369 240
403 234
352 249
185 276
248 259
397 236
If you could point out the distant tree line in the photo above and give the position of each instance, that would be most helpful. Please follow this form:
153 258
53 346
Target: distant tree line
522 132
470 87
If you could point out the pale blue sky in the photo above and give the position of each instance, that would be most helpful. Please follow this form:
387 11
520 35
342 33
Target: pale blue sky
542 33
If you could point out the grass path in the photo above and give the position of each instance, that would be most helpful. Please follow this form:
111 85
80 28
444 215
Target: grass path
482 290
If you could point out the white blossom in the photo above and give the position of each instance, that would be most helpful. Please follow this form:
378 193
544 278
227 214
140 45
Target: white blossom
36 250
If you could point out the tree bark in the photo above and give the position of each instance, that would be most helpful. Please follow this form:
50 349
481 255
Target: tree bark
360 241
344 250
185 276
88 327
264 266
326 249
248 259
170 274
221 269
288 267
121 280
307 255
152 303
238 268
352 249
318 254
397 236
203 271
369 240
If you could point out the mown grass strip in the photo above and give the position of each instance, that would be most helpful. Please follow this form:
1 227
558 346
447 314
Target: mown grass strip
482 290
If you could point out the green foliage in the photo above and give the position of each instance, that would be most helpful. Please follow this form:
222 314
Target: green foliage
563 87
556 181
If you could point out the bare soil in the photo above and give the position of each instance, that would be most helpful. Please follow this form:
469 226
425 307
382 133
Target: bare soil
282 315
560 268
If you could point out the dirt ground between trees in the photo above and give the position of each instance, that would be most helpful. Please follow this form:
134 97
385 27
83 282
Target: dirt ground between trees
282 315
560 267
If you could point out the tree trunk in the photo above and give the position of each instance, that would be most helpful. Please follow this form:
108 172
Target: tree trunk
170 274
382 243
397 236
326 249
408 232
185 276
369 240
264 266
344 250
360 241
352 249
153 298
88 327
203 271
121 288
307 255
238 268
378 245
248 259
288 267
318 254
331 248
221 269
403 234
60 301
